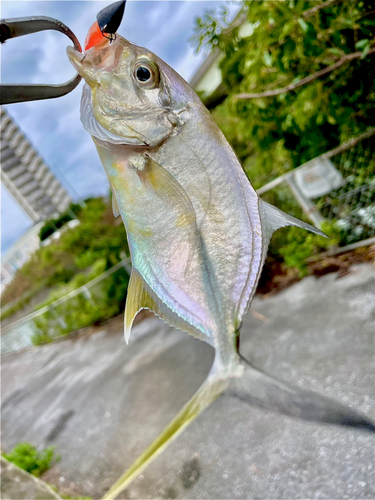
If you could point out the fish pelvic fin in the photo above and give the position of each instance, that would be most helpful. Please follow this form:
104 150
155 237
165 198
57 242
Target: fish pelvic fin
206 394
259 389
274 219
141 297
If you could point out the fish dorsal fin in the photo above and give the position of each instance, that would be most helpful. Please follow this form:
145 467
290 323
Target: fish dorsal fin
273 219
140 297
115 208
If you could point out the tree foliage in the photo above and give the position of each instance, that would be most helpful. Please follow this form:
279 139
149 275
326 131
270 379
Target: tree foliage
98 237
281 43
52 225
317 58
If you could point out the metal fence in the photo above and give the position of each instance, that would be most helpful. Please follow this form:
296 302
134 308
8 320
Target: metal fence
74 310
338 186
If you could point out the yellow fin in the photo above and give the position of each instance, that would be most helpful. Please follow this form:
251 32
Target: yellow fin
137 299
140 297
115 208
206 394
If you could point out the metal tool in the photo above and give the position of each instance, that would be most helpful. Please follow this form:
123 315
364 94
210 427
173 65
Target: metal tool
108 20
11 28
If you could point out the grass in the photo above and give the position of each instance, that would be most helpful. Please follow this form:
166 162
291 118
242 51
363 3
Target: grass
28 458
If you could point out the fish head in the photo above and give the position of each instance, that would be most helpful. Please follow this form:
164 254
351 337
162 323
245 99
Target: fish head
130 93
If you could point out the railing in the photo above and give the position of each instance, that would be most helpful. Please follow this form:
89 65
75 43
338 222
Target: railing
57 317
337 186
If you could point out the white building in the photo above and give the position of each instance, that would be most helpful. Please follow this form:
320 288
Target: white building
19 253
26 176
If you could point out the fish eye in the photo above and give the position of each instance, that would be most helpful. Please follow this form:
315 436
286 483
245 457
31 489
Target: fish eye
146 74
143 74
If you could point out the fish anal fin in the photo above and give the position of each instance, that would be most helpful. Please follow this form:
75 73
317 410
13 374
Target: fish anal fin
137 299
115 207
140 297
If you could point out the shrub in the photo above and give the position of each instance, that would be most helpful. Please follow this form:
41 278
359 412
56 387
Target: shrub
98 236
51 225
296 246
101 302
28 458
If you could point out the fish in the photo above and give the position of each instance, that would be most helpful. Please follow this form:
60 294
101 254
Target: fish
198 233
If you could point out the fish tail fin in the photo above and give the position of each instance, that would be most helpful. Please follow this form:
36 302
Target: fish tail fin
256 388
262 390
206 394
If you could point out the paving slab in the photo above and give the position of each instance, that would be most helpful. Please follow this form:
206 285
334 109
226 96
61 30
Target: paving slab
102 402
16 484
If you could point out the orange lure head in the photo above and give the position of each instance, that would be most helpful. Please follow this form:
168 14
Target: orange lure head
107 23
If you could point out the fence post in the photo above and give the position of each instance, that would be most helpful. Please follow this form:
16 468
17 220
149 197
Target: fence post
305 203
87 294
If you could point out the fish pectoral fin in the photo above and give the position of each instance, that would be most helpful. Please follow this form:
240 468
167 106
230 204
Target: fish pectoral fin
140 297
173 199
115 207
166 186
275 219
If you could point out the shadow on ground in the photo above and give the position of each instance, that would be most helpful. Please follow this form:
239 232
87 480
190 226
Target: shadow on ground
102 402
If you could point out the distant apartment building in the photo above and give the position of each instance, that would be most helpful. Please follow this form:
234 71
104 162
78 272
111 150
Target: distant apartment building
19 253
33 186
26 176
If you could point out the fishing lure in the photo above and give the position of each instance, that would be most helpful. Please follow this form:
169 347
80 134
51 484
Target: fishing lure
198 232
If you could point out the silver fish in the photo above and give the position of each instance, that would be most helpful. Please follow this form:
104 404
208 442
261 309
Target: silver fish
198 232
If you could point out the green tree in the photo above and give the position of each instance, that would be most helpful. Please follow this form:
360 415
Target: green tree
299 77
99 236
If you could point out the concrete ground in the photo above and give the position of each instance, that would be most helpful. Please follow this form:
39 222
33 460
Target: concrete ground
102 402
16 484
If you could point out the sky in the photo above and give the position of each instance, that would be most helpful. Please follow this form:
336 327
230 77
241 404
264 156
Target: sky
53 126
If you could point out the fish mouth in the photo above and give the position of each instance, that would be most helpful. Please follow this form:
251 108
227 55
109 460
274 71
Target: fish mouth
76 58
89 120
74 55
102 57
